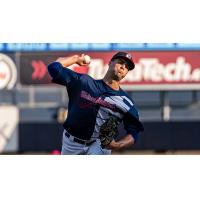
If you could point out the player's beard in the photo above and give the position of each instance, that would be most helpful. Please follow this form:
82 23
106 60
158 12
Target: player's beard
116 76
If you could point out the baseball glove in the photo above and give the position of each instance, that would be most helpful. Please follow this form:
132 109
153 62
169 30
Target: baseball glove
107 131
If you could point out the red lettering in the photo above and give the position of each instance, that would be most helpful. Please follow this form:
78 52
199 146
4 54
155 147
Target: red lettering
2 75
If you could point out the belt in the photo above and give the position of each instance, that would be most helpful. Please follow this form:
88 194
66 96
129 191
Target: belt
79 140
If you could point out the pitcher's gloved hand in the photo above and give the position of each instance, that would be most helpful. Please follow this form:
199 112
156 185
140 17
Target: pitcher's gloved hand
107 131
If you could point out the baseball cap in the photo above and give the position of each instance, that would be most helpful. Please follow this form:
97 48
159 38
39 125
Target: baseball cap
126 56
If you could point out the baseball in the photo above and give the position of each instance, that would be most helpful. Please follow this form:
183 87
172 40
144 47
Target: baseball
87 59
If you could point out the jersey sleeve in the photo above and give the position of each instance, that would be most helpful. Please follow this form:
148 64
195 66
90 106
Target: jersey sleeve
61 75
132 123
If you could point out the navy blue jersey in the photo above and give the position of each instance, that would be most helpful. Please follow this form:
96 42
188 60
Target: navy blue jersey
91 102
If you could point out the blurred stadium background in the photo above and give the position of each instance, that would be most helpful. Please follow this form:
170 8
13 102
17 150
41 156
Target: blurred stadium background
165 87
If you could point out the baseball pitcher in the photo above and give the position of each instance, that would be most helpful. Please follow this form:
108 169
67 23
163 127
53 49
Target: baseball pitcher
96 107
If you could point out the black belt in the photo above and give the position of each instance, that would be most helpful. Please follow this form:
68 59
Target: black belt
80 141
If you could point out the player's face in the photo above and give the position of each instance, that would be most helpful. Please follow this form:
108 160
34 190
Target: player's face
119 69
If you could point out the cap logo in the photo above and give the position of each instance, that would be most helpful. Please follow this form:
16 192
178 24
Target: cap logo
128 56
